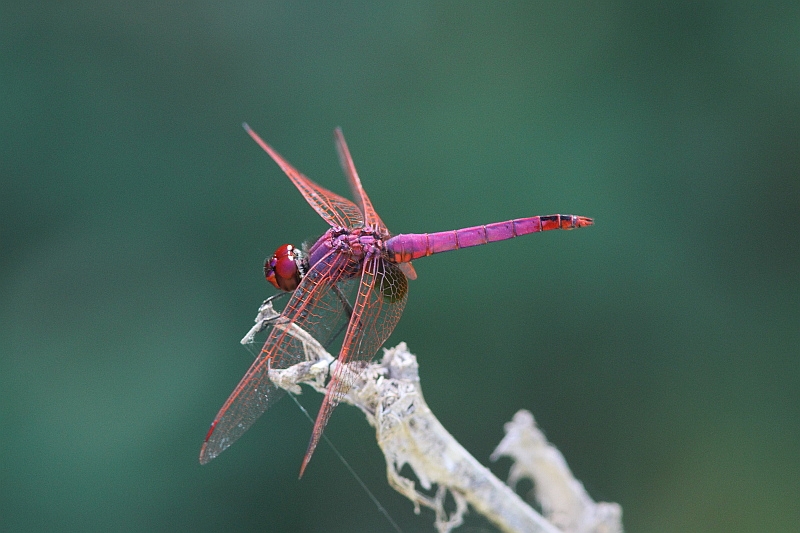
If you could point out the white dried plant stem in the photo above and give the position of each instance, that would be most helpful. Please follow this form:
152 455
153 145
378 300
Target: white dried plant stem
390 395
563 498
409 433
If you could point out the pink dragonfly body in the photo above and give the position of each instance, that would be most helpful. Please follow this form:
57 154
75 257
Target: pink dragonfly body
358 254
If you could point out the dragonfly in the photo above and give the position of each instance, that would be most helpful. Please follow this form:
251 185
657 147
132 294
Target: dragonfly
357 255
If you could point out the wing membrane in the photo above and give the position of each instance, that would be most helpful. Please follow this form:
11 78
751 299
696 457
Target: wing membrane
336 210
359 194
382 294
314 307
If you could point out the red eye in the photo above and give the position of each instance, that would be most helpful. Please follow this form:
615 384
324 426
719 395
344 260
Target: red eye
285 268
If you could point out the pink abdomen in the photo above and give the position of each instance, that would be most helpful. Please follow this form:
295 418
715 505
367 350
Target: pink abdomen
407 247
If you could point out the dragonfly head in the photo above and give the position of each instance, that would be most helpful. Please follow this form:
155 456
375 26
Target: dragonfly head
286 267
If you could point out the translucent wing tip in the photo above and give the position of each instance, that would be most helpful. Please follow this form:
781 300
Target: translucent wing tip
319 426
303 466
207 453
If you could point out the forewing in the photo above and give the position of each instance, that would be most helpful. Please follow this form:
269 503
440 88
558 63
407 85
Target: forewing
380 300
316 309
359 194
336 210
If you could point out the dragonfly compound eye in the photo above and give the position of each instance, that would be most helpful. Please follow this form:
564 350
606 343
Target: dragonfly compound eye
285 268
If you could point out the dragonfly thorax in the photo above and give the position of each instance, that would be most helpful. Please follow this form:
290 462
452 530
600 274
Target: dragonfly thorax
286 267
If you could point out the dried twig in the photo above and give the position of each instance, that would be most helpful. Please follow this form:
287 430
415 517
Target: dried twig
389 394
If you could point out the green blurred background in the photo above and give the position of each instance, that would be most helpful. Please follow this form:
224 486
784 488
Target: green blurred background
658 349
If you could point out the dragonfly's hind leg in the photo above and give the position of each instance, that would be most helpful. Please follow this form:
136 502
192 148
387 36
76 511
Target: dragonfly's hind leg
347 309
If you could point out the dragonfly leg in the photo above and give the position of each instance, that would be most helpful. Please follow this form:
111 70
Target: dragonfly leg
282 294
347 309
261 326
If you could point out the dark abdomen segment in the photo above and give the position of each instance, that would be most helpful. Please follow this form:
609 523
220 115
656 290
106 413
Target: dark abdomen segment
407 247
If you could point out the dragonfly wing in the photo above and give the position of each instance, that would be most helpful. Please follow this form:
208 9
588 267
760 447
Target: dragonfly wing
314 307
380 300
359 194
408 270
336 210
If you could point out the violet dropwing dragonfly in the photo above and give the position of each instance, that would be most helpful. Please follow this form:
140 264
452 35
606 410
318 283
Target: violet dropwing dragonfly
357 253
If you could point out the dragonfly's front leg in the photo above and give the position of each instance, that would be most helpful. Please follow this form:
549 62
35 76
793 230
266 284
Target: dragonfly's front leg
267 315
